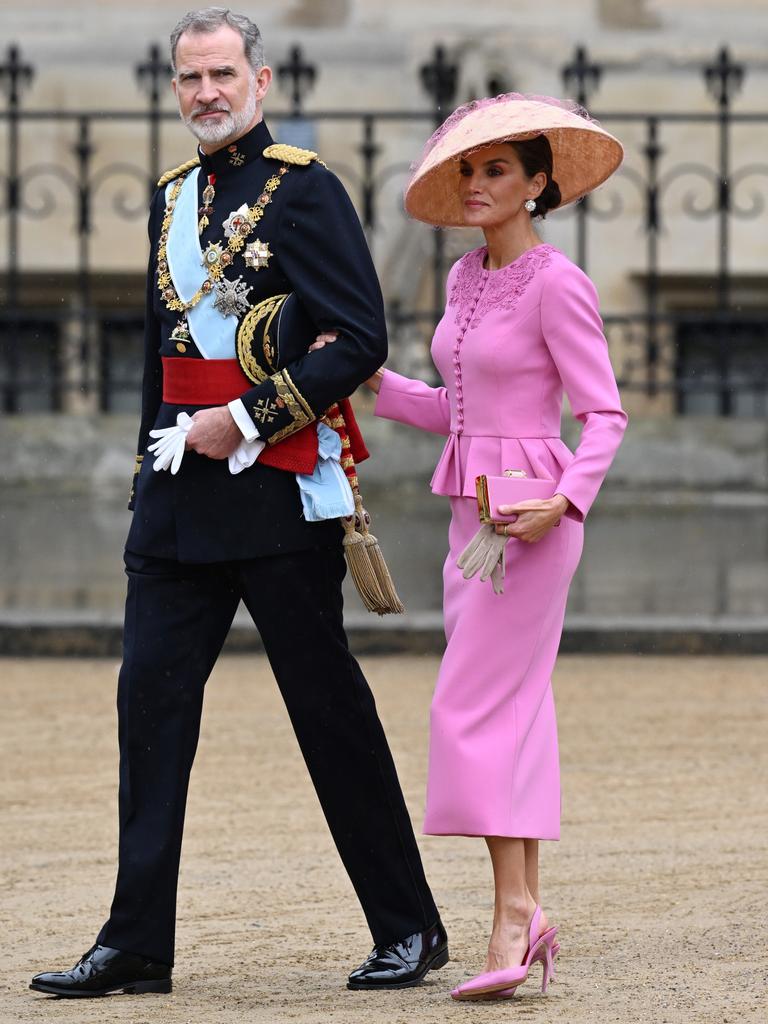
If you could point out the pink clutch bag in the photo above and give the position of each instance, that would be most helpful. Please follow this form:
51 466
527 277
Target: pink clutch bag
514 486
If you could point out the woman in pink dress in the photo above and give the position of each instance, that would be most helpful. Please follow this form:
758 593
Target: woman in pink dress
521 325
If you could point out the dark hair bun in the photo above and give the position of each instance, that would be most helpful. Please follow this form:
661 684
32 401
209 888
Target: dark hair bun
548 200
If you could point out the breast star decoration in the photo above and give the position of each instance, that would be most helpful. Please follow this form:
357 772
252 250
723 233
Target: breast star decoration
235 220
232 297
215 258
257 254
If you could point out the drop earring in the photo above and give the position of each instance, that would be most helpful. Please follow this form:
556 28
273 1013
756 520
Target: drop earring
530 205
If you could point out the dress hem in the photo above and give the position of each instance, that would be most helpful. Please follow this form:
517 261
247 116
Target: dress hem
482 835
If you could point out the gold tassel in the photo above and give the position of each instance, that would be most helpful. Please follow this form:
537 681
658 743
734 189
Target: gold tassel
390 602
360 567
364 558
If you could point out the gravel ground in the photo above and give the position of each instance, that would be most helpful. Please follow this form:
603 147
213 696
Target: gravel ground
659 882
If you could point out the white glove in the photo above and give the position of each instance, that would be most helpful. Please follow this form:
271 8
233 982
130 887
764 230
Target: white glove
485 554
244 456
169 448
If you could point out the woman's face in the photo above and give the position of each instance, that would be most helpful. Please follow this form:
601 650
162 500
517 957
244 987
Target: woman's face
493 186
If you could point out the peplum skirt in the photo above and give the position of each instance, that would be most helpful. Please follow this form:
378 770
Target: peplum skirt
493 754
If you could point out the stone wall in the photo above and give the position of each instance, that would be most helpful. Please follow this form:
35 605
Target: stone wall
95 453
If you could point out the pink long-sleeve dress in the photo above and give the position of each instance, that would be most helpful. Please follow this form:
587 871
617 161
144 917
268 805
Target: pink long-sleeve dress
508 344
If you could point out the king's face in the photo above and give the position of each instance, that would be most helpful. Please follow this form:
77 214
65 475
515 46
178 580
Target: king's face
218 93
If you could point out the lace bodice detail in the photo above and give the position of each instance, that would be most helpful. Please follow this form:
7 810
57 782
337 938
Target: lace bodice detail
501 289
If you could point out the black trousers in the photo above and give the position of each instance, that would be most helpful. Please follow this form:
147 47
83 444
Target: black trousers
177 618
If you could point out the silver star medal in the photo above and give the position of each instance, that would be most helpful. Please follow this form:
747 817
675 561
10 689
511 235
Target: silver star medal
232 297
257 254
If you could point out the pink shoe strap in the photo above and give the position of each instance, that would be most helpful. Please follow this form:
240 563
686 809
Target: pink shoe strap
533 933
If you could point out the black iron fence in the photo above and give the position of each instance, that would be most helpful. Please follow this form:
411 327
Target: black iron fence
70 333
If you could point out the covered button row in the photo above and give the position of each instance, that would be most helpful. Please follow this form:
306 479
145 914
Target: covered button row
457 358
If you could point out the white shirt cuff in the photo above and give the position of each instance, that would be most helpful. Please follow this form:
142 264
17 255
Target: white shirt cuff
242 419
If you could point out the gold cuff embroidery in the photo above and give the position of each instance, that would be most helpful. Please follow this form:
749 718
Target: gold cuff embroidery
265 410
136 470
302 400
294 402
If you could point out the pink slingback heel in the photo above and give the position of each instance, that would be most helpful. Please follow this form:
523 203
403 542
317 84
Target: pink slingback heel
507 993
502 984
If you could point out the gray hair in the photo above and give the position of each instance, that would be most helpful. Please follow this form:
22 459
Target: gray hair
211 18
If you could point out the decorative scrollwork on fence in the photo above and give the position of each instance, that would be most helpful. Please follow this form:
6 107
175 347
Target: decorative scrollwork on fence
758 200
690 169
120 201
42 205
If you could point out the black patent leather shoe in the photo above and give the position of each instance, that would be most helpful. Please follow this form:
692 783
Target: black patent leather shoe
103 970
403 963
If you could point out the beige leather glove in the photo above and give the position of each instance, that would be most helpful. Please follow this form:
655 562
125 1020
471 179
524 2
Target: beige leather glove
485 555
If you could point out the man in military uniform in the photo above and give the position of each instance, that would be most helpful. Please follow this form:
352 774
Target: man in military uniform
218 515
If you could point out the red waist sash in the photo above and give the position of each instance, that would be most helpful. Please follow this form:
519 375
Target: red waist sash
218 381
202 381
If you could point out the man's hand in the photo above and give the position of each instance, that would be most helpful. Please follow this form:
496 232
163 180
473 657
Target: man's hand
534 518
214 433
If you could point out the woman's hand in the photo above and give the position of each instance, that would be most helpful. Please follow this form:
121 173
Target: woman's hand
327 338
535 518
374 382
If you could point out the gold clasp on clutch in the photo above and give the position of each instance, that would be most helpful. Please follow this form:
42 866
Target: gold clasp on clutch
515 472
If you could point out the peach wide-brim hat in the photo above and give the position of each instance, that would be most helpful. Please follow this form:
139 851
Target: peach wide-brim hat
584 154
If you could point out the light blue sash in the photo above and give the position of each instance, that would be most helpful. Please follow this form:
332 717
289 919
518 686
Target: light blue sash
326 494
213 333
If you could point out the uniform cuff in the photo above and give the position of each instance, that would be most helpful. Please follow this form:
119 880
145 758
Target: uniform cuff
244 422
136 471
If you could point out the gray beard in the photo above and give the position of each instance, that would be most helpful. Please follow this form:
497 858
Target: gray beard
230 127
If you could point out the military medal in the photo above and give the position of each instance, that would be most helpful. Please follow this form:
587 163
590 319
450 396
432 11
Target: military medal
257 254
209 193
215 259
235 221
180 335
232 297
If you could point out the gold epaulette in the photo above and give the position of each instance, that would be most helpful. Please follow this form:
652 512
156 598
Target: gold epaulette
291 154
181 169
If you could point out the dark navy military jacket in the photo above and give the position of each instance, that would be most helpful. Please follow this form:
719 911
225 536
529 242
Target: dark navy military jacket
204 513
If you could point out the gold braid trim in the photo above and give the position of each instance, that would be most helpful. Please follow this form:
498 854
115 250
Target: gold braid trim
246 332
290 154
301 399
294 403
181 169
